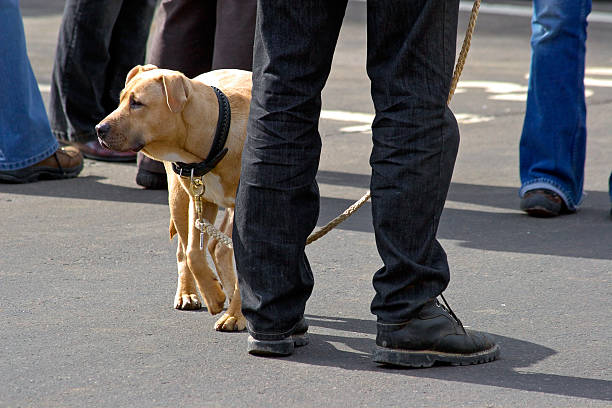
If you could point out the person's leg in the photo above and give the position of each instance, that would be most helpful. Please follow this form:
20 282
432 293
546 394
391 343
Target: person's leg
234 34
28 150
278 200
411 53
127 47
25 137
183 36
80 69
410 64
553 141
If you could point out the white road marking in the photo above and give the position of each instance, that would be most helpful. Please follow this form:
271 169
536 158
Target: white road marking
520 97
366 119
470 118
512 92
495 87
602 83
598 71
346 116
502 91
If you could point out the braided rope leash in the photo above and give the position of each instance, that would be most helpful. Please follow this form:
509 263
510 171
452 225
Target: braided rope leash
227 241
458 70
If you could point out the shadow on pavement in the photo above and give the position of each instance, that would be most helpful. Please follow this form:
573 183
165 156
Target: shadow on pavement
353 353
490 220
88 188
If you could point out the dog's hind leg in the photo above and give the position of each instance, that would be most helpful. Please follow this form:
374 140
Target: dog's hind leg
223 257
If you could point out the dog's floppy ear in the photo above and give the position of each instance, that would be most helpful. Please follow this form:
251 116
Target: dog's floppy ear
137 70
177 90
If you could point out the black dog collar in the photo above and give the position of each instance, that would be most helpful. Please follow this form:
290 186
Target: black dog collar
217 150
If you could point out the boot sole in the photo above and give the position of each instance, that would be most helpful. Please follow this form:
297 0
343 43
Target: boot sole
276 348
427 358
41 173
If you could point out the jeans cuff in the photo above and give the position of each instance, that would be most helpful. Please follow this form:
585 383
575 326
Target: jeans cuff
30 161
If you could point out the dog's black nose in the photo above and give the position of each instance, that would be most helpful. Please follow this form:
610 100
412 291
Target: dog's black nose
102 130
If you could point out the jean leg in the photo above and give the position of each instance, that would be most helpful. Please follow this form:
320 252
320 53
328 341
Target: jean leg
278 199
79 73
410 63
553 141
25 136
127 47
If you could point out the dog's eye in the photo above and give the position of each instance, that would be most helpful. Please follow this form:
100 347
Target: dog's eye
134 104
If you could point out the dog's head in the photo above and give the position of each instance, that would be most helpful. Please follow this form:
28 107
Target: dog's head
149 109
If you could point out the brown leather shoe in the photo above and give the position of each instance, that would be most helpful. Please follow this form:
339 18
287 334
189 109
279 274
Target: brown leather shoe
66 162
543 203
93 150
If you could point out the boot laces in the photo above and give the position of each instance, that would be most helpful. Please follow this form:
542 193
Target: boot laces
450 311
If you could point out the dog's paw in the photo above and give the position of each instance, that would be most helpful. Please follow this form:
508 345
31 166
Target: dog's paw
187 301
214 297
228 322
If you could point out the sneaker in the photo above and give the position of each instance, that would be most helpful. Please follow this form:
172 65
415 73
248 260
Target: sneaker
434 335
543 203
93 150
65 162
151 173
282 346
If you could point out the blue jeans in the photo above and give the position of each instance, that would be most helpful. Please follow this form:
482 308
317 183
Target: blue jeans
553 142
25 136
411 52
99 42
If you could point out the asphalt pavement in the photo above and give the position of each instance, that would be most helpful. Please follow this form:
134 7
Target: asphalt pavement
88 274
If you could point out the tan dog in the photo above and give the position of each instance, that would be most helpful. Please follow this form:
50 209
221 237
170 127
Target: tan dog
171 118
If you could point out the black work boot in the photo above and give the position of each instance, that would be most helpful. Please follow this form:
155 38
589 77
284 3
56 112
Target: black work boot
434 335
276 345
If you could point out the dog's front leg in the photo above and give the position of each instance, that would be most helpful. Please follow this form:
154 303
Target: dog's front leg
207 282
223 257
186 297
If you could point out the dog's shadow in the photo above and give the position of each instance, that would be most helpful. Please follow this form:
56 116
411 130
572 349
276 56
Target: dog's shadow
353 352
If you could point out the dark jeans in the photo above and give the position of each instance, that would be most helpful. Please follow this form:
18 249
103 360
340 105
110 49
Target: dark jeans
411 50
99 42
